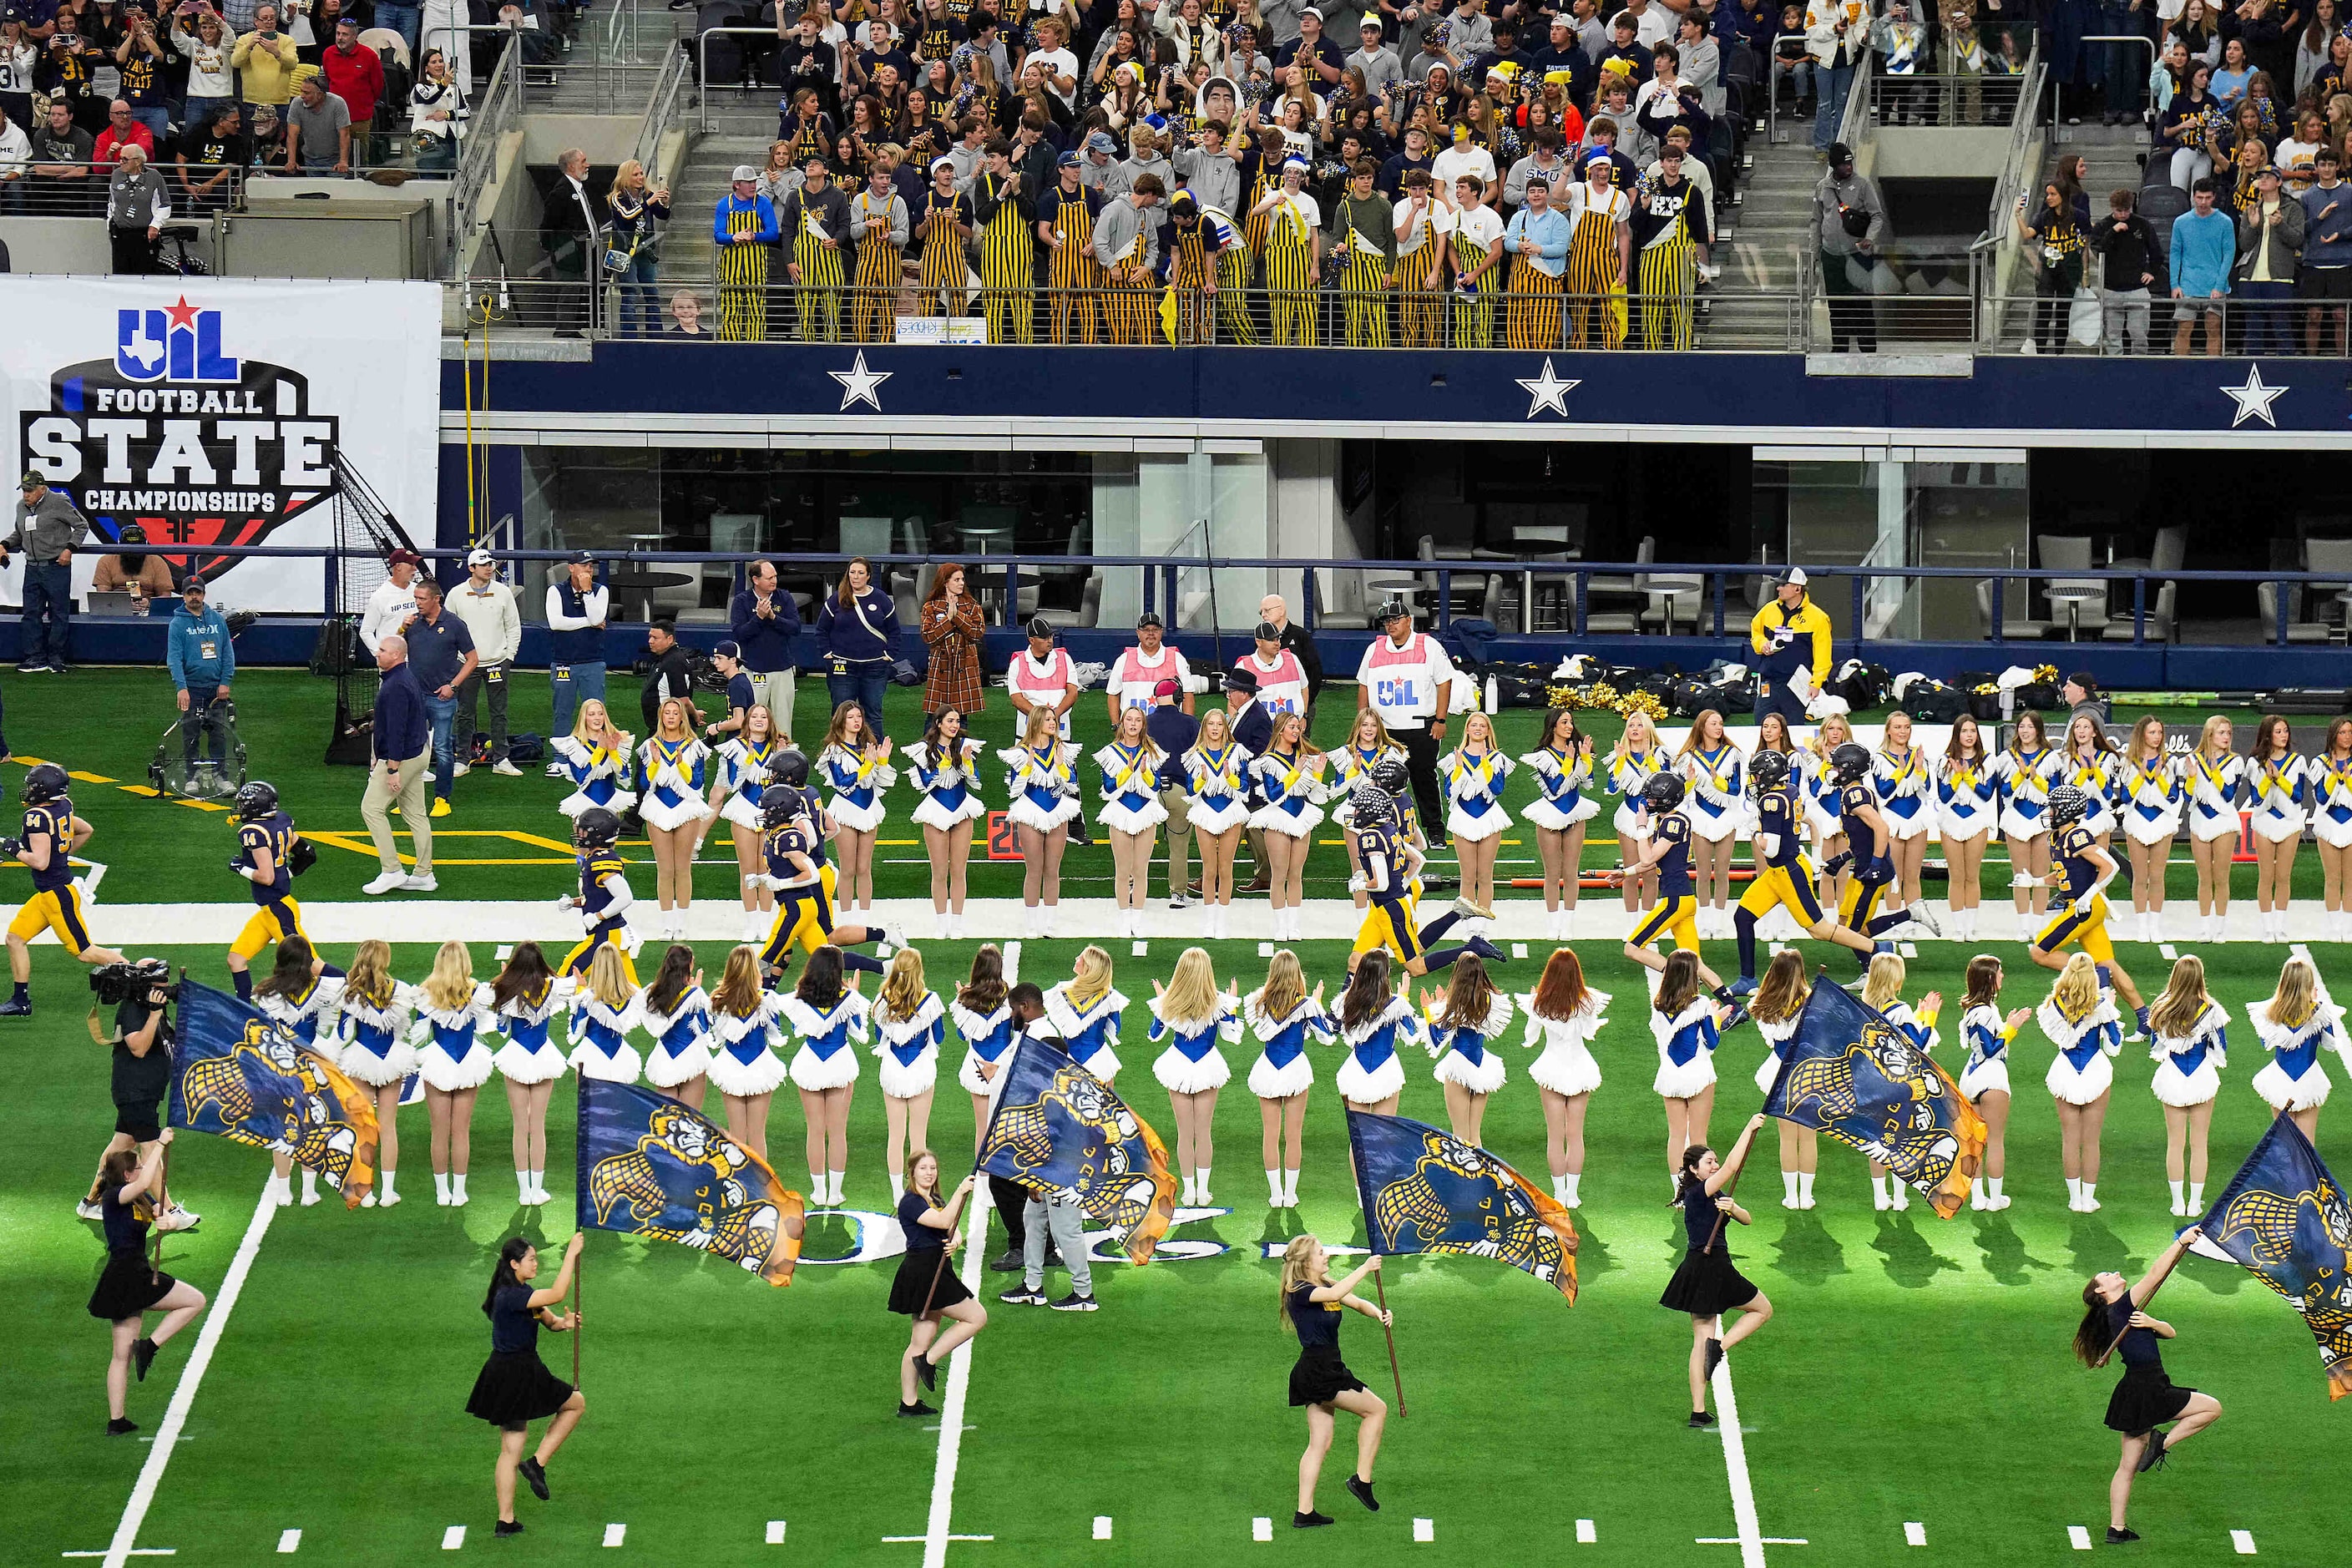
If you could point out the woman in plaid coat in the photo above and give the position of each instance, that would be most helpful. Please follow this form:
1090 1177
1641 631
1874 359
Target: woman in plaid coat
952 629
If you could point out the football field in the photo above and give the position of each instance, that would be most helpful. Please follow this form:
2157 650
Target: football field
1913 1398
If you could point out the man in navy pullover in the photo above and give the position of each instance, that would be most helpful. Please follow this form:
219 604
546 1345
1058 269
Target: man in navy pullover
765 622
403 744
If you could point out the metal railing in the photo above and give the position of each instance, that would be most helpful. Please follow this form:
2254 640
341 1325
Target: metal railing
663 111
1967 98
494 113
2057 111
2158 324
84 195
1812 67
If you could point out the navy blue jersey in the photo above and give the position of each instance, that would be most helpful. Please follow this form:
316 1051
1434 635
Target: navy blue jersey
1376 847
54 821
2070 860
1776 812
595 898
1674 830
1853 799
276 834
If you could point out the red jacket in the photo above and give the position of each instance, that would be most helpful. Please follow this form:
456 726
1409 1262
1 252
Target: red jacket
109 149
356 78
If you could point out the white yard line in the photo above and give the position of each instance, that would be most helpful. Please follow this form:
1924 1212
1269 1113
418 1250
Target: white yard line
1734 1464
2241 1541
288 1540
936 1537
775 1532
183 1395
1585 1534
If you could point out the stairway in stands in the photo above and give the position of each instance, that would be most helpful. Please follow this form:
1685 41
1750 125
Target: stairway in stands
1765 239
743 126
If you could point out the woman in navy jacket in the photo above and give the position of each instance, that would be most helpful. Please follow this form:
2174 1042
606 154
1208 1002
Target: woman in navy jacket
857 637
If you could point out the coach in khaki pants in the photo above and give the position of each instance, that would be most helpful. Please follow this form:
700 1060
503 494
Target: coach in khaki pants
404 752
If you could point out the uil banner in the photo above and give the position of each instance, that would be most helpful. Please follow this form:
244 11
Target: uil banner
239 1075
1424 1190
202 410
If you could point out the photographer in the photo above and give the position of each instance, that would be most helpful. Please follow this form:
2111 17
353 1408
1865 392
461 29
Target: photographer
142 1045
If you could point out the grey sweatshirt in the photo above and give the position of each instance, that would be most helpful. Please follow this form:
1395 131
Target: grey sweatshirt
42 531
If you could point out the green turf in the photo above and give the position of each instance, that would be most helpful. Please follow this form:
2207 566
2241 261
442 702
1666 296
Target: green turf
506 839
1916 1368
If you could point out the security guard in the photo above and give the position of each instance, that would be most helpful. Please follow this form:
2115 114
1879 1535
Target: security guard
1391 864
268 854
52 833
1784 877
1790 634
603 897
2080 872
1668 853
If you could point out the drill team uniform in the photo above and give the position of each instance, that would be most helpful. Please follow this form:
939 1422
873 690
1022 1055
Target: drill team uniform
681 1038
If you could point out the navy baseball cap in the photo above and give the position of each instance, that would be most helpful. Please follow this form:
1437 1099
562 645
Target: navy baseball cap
1066 161
727 650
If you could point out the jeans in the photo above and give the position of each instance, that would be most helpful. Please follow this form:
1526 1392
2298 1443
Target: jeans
1067 1224
493 676
204 721
575 684
1831 83
402 19
158 121
2126 318
2269 328
47 626
1799 75
443 713
634 287
863 684
2124 63
2054 301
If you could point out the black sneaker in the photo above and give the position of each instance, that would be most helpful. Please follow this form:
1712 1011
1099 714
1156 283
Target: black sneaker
2152 1457
508 1527
142 1356
15 1007
1714 1356
1006 1262
1310 1520
928 1370
534 1475
1361 1490
2118 1536
916 1408
1022 1295
121 1427
1488 950
1700 1420
1074 1303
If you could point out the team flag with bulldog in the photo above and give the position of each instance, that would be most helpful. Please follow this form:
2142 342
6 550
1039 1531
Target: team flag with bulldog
240 1076
1060 1130
2284 1220
652 1166
1424 1190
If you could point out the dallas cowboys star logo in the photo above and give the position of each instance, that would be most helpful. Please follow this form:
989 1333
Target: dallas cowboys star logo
2253 399
858 384
1547 391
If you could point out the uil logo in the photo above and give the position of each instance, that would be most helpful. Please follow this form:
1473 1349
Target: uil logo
179 344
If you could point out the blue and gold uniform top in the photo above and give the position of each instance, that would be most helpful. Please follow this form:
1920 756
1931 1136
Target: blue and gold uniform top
2075 874
781 844
276 834
55 819
1869 849
1674 831
595 896
1776 812
1376 850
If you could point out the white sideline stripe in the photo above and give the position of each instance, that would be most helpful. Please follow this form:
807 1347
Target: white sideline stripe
775 1532
952 1423
1102 1527
1425 1530
2241 1541
1734 1464
1914 1535
615 1533
183 1393
1760 1541
288 1541
453 1538
2078 1538
1261 1529
1585 1535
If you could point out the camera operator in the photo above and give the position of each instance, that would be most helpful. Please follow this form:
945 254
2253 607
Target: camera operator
142 1043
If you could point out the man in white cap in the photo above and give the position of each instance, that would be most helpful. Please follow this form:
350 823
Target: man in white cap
1791 638
1380 66
488 608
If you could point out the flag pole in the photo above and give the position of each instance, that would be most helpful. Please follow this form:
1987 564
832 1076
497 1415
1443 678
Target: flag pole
1380 1286
578 1267
940 1267
155 1202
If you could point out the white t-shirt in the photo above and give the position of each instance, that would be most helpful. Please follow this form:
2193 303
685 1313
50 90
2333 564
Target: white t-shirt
1133 675
1403 683
1480 227
387 608
1058 63
1466 159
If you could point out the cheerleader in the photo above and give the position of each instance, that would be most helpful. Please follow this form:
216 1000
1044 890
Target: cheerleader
744 1067
1463 1020
738 773
1717 808
2025 771
2294 1025
2211 774
1984 1079
831 1019
1351 767
604 1008
1707 1284
1901 778
2088 762
131 1287
2330 776
2276 789
523 1000
1045 800
1474 772
1190 1016
925 1289
2114 1319
515 1388
676 1012
2193 1045
1687 1024
1633 762
945 765
2149 798
1882 992
1564 1014
1319 1380
370 1027
298 995
985 1019
856 764
1562 766
1822 811
908 1024
1968 801
1131 810
1776 1006
1373 1023
1216 774
451 1014
2080 1020
672 762
1290 777
596 758
1284 1018
1084 1010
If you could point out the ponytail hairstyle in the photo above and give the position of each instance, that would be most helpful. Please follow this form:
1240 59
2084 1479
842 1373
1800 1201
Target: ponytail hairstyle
1782 995
2177 1011
1688 1173
1294 1273
1678 985
503 1275
119 1167
1983 983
